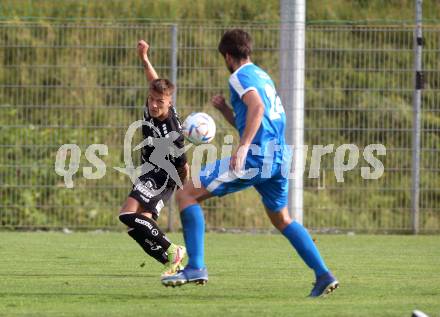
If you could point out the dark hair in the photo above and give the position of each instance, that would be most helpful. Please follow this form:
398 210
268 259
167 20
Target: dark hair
162 86
236 43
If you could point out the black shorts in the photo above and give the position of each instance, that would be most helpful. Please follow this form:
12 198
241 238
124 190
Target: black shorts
151 197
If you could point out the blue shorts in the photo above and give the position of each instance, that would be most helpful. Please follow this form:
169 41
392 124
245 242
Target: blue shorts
271 185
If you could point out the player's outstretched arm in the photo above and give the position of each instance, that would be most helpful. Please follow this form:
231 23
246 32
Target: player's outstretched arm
219 103
149 70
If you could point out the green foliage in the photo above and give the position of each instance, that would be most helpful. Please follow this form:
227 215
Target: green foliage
80 82
223 11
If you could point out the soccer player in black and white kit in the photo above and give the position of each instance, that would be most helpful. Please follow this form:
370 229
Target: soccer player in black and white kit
153 189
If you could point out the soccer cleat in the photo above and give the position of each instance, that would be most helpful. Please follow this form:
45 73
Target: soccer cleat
187 275
325 284
169 272
176 253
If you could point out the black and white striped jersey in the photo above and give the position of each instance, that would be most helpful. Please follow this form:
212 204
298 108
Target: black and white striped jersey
160 129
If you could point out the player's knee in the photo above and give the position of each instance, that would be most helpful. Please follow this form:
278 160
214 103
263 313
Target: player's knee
282 223
122 218
125 217
280 220
148 215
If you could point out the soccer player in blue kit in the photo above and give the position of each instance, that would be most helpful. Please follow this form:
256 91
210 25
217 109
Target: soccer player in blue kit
258 115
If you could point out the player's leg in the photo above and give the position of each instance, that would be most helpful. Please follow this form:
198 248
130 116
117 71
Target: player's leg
193 222
130 209
193 226
301 240
145 231
218 182
274 195
215 180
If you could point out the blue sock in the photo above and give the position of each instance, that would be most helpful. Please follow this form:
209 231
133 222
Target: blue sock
193 225
306 248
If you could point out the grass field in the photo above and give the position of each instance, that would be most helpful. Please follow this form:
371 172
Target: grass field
99 274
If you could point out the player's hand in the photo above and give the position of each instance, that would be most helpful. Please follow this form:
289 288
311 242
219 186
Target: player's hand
238 158
142 49
218 101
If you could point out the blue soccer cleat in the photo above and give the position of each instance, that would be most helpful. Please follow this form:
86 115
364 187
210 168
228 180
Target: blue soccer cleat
325 284
187 275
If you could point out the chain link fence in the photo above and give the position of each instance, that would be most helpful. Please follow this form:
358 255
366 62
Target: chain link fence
68 83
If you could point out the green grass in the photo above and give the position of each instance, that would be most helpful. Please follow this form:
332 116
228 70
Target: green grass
99 274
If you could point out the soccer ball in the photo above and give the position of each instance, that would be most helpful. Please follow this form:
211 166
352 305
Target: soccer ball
199 128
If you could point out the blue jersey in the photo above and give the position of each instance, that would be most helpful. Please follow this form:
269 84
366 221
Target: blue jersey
251 77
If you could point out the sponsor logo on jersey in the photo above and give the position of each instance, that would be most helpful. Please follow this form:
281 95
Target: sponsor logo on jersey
146 188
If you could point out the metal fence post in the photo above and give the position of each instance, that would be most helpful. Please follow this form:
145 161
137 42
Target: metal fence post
418 86
173 74
292 47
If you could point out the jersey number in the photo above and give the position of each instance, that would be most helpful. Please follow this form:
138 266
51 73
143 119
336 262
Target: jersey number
276 108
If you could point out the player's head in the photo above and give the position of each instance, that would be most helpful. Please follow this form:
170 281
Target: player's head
235 46
160 98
